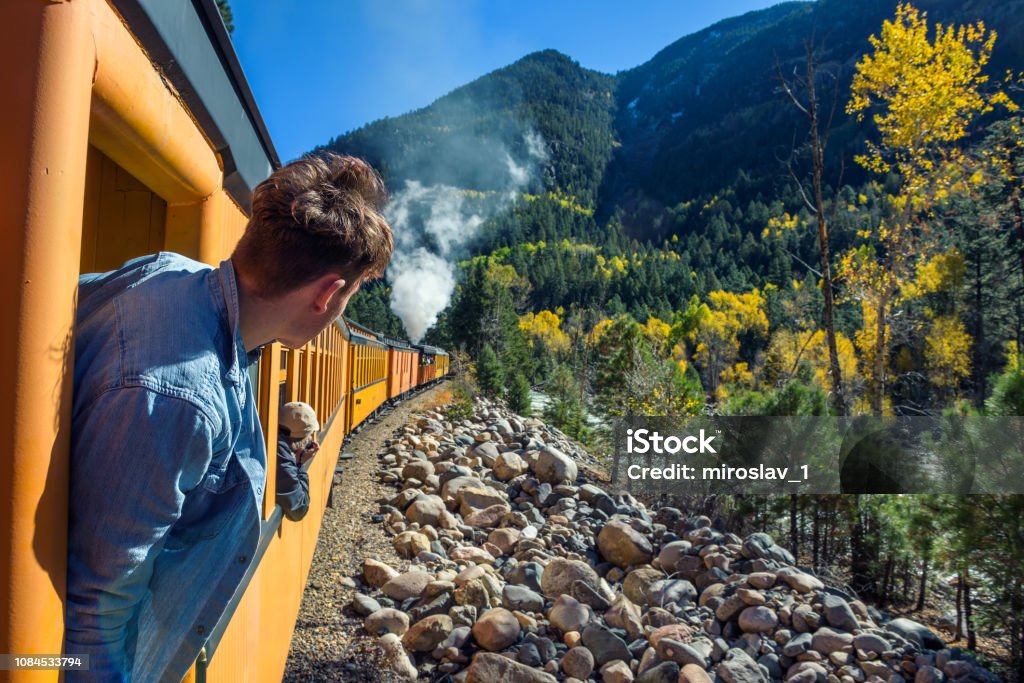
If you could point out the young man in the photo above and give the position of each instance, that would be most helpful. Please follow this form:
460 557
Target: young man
168 462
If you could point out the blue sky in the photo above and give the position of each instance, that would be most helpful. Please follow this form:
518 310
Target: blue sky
319 68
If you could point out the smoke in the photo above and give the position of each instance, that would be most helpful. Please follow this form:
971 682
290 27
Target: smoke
433 225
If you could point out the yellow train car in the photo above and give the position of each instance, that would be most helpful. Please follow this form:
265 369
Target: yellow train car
369 374
402 363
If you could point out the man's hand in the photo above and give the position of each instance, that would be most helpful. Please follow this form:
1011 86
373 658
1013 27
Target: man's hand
308 453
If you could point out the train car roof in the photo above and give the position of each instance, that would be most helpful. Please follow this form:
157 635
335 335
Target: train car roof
430 350
189 44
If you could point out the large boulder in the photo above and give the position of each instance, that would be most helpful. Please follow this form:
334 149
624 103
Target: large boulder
497 629
489 667
427 633
555 467
560 574
425 510
624 546
919 634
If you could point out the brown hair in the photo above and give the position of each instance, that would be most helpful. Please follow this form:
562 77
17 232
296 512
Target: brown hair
317 215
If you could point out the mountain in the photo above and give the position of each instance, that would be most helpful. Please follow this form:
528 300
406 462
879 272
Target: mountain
703 116
457 139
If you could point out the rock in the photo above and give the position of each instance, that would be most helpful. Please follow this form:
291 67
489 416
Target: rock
806 672
624 614
692 673
509 466
560 574
604 645
487 452
678 591
526 574
758 620
826 641
473 593
364 605
918 634
554 467
677 632
617 671
468 553
798 581
520 598
418 469
568 614
671 553
751 597
928 674
387 620
475 498
870 642
624 546
409 544
407 585
488 667
428 633
578 663
425 510
504 539
496 630
488 518
797 645
451 488
376 573
638 583
838 613
762 580
738 667
665 672
396 658
730 608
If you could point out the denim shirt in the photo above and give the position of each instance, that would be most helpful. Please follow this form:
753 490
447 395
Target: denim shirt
168 466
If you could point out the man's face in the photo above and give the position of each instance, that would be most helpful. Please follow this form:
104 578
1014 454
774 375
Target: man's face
306 324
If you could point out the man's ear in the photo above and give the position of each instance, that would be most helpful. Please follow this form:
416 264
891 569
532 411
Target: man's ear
326 288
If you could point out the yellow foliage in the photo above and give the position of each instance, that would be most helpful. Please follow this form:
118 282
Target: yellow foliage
948 352
566 201
656 331
780 224
599 331
727 315
925 90
1013 359
941 273
788 349
544 327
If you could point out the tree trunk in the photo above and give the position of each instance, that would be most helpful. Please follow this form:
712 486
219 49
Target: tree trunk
924 584
958 633
972 640
887 581
878 381
794 527
818 152
816 536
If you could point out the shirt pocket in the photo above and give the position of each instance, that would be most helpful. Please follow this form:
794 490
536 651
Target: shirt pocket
211 506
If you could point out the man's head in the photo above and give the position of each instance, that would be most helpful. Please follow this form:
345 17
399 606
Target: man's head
315 235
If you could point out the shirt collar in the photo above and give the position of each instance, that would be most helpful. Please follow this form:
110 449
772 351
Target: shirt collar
228 285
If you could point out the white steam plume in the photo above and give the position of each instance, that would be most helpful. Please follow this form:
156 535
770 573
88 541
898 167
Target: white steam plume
432 227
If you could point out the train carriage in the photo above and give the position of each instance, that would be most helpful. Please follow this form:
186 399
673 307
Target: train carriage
129 128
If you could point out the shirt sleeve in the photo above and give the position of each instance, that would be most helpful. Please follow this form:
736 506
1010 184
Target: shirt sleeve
135 454
292 484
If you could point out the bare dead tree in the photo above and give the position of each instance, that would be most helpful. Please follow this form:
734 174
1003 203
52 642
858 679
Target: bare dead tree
817 141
